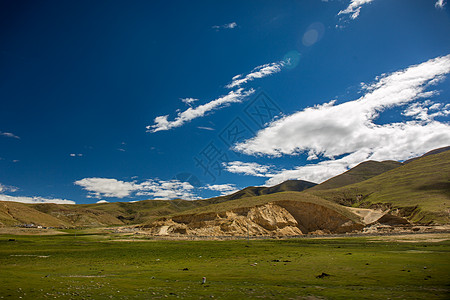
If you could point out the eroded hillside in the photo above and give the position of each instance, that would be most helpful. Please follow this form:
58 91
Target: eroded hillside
281 214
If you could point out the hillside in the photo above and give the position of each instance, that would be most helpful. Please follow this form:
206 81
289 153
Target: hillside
142 211
91 215
419 190
284 213
13 213
361 172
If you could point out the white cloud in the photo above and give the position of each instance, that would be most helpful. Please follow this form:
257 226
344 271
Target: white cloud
224 189
440 3
34 200
10 135
348 129
162 122
107 187
354 8
188 101
7 188
427 110
253 169
171 189
76 154
231 25
102 201
321 171
157 189
258 72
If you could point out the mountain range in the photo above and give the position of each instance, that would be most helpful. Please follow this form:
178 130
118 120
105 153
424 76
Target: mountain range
416 191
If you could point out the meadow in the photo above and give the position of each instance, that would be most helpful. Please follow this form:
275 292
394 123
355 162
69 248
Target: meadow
80 265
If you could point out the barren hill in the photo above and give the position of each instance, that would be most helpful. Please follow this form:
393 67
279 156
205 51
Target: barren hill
90 215
285 213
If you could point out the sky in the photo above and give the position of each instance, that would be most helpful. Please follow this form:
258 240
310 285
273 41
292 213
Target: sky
126 101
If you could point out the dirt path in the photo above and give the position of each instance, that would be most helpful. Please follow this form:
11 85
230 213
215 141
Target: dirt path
367 215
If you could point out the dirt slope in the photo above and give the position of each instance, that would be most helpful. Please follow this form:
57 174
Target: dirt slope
13 213
285 217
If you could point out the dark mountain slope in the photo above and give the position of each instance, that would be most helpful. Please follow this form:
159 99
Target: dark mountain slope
435 151
361 172
252 191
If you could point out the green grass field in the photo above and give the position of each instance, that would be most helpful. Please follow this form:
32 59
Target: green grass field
106 266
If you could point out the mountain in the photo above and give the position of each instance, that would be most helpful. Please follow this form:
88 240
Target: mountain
361 172
252 191
418 190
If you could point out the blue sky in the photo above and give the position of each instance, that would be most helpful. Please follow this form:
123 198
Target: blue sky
126 101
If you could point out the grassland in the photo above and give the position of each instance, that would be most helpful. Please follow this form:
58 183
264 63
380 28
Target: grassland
94 266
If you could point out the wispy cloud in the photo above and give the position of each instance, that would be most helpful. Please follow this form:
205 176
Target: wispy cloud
162 122
231 25
10 135
427 110
440 4
155 188
34 200
205 128
171 189
24 199
7 188
188 101
354 8
258 72
253 169
76 154
224 189
330 130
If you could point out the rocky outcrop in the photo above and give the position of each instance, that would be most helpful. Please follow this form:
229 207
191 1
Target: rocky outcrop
282 218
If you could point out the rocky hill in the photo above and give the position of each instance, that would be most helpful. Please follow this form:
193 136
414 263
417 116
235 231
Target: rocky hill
280 214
